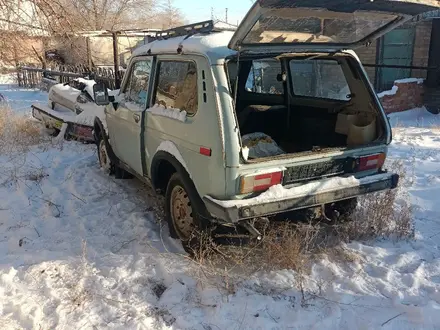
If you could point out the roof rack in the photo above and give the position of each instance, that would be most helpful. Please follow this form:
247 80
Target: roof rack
190 29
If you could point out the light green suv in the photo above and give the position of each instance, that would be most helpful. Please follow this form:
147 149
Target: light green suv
277 115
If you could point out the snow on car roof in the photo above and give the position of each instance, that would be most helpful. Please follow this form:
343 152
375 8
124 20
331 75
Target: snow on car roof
213 45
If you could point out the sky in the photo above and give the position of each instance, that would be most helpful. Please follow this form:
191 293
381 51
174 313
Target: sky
200 10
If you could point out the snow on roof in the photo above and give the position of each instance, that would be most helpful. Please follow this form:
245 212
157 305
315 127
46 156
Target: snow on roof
213 45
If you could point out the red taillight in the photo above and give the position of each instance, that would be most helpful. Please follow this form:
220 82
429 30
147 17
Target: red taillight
260 182
371 162
205 151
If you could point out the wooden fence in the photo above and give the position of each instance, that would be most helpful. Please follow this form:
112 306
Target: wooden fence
32 77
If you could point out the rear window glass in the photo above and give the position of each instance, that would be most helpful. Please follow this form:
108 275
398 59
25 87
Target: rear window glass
263 77
319 78
288 25
177 86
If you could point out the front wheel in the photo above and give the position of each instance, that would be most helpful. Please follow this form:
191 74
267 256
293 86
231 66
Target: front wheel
105 162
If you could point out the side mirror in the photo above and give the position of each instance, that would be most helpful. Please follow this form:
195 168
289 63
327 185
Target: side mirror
100 94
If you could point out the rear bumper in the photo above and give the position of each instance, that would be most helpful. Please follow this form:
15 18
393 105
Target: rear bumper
52 119
295 199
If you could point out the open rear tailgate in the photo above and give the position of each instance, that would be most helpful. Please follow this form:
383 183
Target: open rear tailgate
327 24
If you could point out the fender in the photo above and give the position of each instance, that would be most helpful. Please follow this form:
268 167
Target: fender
156 178
158 158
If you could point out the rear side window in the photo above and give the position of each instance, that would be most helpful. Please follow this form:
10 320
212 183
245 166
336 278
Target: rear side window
263 77
320 79
177 86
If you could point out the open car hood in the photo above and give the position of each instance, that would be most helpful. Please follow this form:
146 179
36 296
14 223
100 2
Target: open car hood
286 25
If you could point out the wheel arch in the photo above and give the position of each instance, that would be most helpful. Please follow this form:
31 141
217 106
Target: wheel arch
163 166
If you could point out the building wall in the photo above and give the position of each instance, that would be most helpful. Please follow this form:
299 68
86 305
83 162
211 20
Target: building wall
421 48
367 55
422 41
74 49
18 48
102 48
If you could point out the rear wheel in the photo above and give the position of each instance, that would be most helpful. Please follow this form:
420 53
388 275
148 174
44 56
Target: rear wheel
184 212
342 211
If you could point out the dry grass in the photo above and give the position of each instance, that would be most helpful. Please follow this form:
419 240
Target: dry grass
17 132
386 214
296 245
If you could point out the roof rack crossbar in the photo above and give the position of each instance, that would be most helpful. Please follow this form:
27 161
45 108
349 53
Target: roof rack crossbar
190 29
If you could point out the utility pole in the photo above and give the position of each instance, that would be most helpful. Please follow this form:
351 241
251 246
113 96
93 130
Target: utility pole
116 59
212 13
226 16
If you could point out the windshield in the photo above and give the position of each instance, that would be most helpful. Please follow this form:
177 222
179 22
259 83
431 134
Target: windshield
304 26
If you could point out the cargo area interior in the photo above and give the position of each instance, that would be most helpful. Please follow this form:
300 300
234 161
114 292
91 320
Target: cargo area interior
307 103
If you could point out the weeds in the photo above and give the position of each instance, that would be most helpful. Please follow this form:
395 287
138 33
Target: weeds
295 245
17 132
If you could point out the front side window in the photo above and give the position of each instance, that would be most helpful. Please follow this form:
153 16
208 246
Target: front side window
177 86
263 77
135 92
320 79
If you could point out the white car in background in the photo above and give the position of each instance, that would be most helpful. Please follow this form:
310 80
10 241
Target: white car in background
71 103
68 96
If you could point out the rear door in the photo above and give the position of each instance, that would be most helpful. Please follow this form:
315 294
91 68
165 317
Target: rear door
281 25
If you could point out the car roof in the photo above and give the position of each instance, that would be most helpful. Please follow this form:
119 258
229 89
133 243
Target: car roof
213 45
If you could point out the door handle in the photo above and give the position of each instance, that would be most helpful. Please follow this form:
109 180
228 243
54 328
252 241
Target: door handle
136 117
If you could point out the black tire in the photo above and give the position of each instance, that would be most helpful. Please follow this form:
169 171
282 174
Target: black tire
104 159
181 197
121 173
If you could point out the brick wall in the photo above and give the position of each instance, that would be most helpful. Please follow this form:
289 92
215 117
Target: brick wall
405 95
421 47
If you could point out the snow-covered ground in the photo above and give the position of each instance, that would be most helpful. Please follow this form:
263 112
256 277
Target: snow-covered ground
18 98
80 250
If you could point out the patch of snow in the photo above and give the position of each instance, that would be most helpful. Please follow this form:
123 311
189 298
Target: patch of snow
89 113
279 193
79 249
214 45
20 99
114 92
60 136
171 148
7 79
392 91
410 80
261 145
135 107
245 153
415 118
89 86
160 110
87 117
65 91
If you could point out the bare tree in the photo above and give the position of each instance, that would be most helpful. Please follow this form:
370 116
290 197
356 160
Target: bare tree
169 16
65 20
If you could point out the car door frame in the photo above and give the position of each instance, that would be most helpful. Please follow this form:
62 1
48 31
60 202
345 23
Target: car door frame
148 104
126 80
